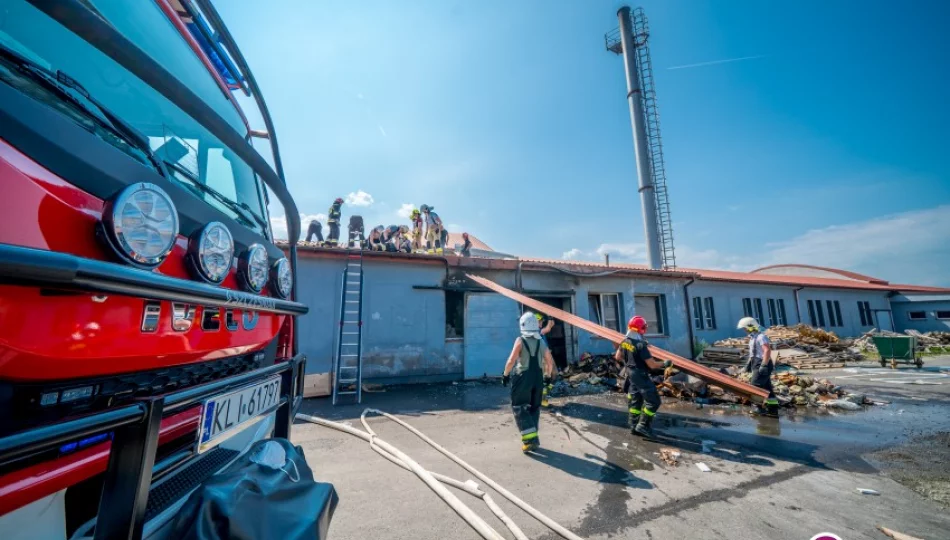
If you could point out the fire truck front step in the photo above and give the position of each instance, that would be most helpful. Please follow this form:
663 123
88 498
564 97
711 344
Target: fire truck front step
179 484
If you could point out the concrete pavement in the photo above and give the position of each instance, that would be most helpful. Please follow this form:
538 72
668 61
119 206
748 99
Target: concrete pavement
791 478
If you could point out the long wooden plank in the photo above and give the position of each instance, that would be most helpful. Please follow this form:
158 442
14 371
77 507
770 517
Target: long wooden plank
709 375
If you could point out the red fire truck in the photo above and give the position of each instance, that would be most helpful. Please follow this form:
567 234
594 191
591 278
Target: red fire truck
146 314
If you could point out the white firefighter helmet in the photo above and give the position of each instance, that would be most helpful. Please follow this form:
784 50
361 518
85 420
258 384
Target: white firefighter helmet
748 323
529 325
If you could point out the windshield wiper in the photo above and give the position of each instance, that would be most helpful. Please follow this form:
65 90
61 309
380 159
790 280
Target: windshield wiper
62 84
240 208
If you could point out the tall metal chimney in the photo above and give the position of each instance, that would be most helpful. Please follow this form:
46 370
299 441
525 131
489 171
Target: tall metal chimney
628 44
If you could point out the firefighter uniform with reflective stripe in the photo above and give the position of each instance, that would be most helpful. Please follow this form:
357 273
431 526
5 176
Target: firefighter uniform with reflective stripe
762 370
642 397
527 381
333 222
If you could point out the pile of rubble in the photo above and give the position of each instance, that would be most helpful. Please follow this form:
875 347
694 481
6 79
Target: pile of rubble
591 374
600 373
792 389
799 346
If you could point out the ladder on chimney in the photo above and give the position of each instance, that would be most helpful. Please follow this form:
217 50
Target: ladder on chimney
348 379
651 113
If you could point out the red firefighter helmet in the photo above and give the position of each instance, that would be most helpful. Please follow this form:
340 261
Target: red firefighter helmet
637 323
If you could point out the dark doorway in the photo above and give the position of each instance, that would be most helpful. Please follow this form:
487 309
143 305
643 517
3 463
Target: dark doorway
560 339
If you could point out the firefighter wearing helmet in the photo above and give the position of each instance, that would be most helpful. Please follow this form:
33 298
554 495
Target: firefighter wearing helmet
643 401
760 364
333 222
416 218
529 364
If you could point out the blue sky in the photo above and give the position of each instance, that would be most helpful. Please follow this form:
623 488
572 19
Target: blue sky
825 141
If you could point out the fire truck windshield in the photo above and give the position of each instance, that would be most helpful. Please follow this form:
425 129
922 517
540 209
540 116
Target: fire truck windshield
194 157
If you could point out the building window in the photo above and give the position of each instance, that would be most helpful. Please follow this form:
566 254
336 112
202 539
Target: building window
782 318
454 314
650 307
943 315
834 313
746 307
917 315
811 313
773 312
710 313
820 312
605 310
758 310
698 313
864 311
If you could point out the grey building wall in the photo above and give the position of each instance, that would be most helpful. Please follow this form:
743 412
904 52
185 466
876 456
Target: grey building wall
727 306
404 334
929 304
404 327
675 337
727 302
848 300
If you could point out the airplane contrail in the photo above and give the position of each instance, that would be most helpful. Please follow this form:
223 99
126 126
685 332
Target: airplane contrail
716 62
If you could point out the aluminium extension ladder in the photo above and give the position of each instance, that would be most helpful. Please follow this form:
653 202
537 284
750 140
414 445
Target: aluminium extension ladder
348 379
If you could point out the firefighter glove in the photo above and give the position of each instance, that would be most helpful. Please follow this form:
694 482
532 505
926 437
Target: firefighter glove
505 379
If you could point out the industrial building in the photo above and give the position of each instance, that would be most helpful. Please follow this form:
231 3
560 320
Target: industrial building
401 318
423 320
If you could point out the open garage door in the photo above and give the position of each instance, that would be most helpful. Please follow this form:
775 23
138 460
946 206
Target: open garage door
491 326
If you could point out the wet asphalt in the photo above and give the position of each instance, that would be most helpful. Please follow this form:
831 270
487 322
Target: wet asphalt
791 477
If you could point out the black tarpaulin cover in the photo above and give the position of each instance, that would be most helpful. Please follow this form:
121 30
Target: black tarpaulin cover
269 492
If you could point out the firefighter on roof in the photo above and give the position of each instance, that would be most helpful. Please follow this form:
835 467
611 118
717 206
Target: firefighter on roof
526 374
333 222
643 401
434 230
416 217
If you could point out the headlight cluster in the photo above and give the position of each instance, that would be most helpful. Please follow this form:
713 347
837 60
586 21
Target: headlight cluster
141 226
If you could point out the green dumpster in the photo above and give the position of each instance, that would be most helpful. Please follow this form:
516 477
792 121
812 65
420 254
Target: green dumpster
898 349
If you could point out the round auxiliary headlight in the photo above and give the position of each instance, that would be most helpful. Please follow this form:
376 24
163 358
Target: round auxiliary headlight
210 251
252 267
141 224
281 278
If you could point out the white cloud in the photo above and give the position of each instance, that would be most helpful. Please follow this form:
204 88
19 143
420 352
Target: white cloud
279 225
572 254
405 210
360 198
633 253
910 247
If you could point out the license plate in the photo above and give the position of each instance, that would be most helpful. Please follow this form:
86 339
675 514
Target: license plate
222 416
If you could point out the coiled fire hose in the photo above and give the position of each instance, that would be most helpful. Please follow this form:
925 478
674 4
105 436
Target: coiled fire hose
435 480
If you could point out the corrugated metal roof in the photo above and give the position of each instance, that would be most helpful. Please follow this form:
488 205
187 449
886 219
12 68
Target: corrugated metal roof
845 273
595 268
456 238
807 281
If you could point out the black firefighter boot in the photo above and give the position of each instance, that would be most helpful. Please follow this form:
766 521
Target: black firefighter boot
643 426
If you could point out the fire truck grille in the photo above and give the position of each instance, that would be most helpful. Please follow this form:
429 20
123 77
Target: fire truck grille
33 404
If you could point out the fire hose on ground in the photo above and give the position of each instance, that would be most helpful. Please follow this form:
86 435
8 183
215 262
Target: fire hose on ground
435 480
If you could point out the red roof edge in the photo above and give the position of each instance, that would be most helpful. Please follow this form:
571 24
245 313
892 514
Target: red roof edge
845 273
